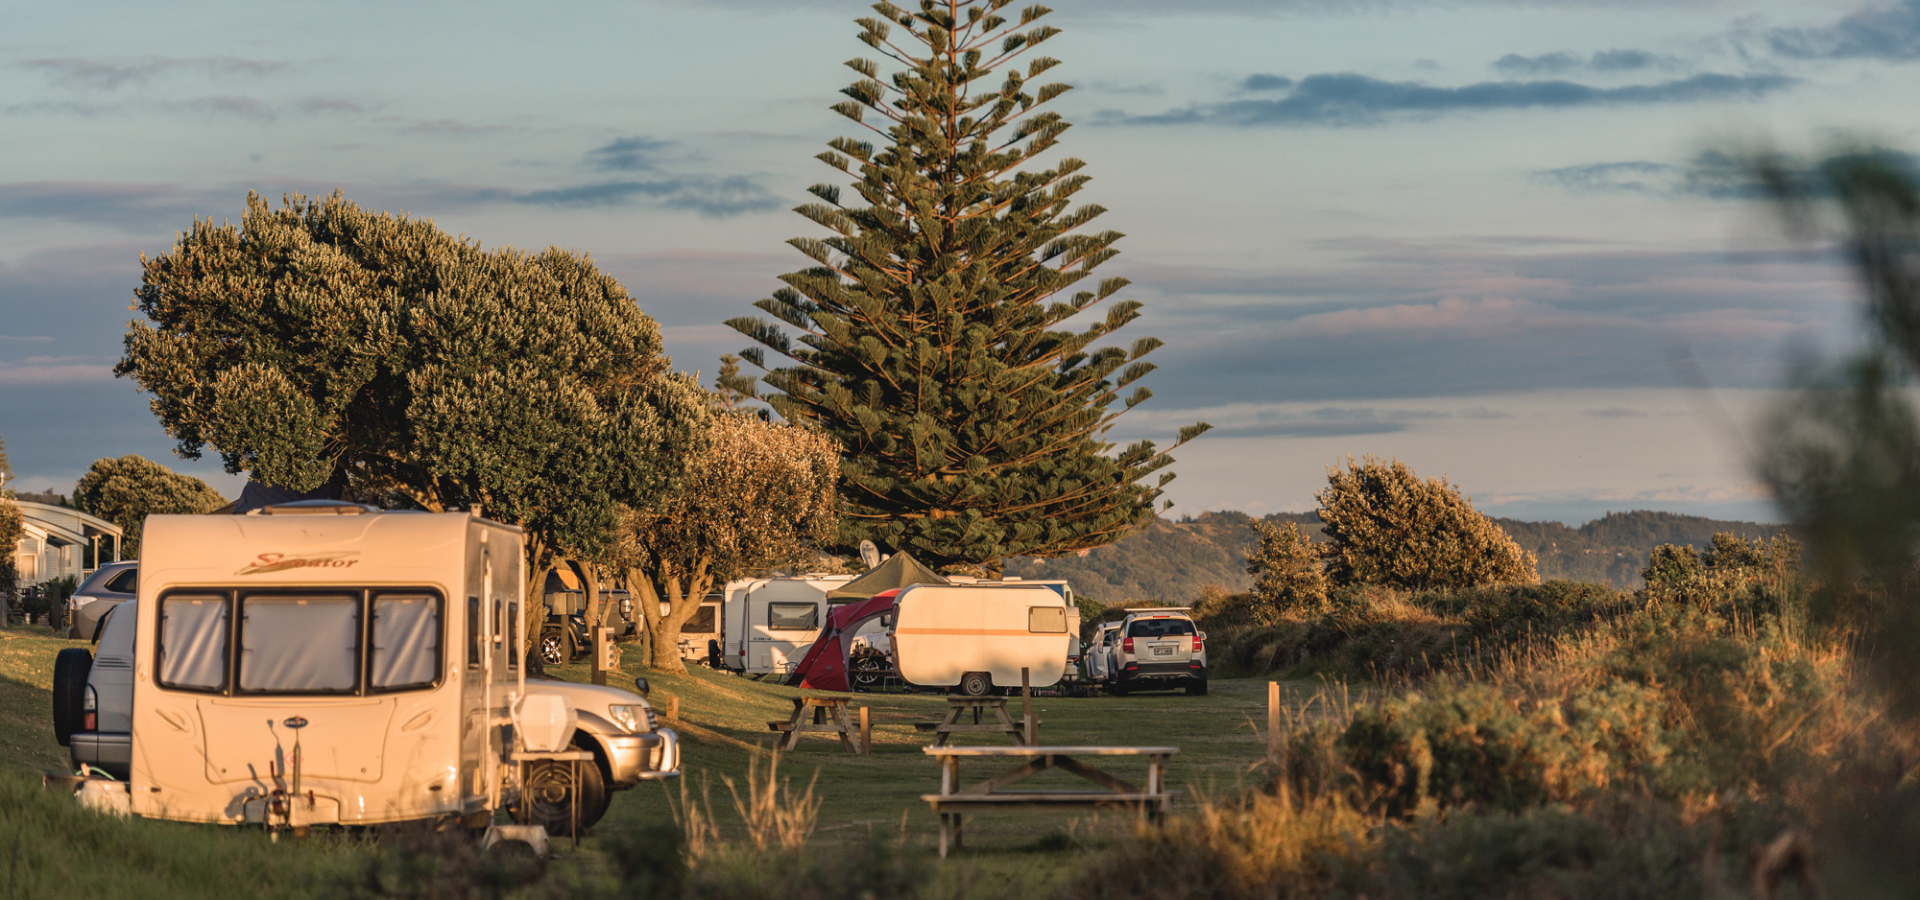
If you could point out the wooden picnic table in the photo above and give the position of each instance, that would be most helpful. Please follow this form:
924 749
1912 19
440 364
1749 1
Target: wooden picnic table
953 801
957 707
830 715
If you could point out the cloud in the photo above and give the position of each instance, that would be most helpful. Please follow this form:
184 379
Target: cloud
1326 421
627 154
1633 176
1347 99
707 195
110 74
136 207
1614 412
1890 33
1456 315
1483 413
50 370
1605 61
1265 82
1712 174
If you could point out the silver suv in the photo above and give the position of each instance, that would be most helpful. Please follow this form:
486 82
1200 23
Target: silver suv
1159 648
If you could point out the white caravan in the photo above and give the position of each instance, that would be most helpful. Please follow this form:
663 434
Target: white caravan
979 637
325 663
771 622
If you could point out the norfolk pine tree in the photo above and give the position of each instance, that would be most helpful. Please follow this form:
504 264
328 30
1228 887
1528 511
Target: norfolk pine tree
929 343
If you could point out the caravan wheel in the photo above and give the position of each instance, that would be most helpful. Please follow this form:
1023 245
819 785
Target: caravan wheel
976 684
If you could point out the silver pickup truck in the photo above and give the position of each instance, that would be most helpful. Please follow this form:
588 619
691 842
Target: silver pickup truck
93 712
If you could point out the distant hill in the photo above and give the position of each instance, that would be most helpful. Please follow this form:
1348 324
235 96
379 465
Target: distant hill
1172 560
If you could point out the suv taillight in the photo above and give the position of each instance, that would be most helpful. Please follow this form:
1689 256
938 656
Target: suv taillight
1197 644
1126 646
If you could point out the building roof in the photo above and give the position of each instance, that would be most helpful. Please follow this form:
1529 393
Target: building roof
64 525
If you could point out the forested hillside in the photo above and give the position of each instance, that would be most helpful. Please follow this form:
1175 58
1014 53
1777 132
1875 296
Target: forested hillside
1172 560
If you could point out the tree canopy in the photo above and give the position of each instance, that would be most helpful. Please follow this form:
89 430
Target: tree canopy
761 495
1385 526
933 343
1288 573
320 343
127 490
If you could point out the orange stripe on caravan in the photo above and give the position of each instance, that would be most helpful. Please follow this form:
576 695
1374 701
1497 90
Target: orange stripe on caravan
977 631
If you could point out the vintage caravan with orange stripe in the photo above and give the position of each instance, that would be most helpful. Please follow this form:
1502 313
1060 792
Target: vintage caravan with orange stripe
978 637
326 663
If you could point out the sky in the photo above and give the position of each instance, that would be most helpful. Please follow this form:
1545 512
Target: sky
1486 237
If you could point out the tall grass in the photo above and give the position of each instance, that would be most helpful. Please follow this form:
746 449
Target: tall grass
51 847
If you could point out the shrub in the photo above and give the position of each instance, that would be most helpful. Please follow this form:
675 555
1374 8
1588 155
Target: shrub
1385 526
1286 570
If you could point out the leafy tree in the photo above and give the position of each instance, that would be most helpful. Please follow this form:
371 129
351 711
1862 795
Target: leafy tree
1287 570
761 495
320 343
929 342
127 490
1386 526
12 529
1671 564
6 465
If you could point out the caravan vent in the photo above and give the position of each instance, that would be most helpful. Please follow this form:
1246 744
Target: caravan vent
316 508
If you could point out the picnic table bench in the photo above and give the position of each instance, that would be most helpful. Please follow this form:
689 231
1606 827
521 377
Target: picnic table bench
958 706
830 716
953 801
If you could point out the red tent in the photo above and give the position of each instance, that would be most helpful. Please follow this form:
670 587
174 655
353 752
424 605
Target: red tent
825 665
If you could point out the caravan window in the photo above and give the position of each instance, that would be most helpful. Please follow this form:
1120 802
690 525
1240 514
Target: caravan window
473 633
793 616
193 642
299 644
701 622
1047 619
406 641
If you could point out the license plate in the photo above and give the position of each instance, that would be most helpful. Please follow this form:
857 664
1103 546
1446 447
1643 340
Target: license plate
1163 651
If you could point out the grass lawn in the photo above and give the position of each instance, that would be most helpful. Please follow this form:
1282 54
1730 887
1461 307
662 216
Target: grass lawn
723 726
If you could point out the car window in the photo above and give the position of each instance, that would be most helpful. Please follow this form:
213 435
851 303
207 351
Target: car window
1159 627
127 582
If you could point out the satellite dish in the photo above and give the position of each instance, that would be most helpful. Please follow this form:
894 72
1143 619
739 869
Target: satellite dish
870 554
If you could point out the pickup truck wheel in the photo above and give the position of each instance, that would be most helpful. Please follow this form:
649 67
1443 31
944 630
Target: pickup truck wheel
976 684
553 648
70 670
551 787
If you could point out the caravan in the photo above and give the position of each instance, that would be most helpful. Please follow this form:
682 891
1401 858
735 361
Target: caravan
979 637
770 622
323 663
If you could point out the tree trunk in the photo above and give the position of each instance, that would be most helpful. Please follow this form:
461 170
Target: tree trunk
665 630
539 563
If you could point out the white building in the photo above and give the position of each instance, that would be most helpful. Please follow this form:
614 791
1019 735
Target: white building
58 542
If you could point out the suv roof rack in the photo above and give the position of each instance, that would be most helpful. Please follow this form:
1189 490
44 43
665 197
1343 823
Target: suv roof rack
1139 609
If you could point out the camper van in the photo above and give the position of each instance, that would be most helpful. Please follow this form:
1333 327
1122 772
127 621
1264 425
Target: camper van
322 663
701 632
978 637
771 622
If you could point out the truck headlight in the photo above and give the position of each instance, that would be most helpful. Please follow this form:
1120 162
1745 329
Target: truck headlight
629 717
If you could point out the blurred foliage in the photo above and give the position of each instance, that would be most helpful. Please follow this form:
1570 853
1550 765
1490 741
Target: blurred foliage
1288 571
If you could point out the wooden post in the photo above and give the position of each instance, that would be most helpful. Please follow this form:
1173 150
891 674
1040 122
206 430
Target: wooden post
602 650
1273 719
1026 707
673 708
866 732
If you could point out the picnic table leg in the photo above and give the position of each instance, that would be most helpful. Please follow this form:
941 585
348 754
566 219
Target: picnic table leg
846 729
946 824
866 732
